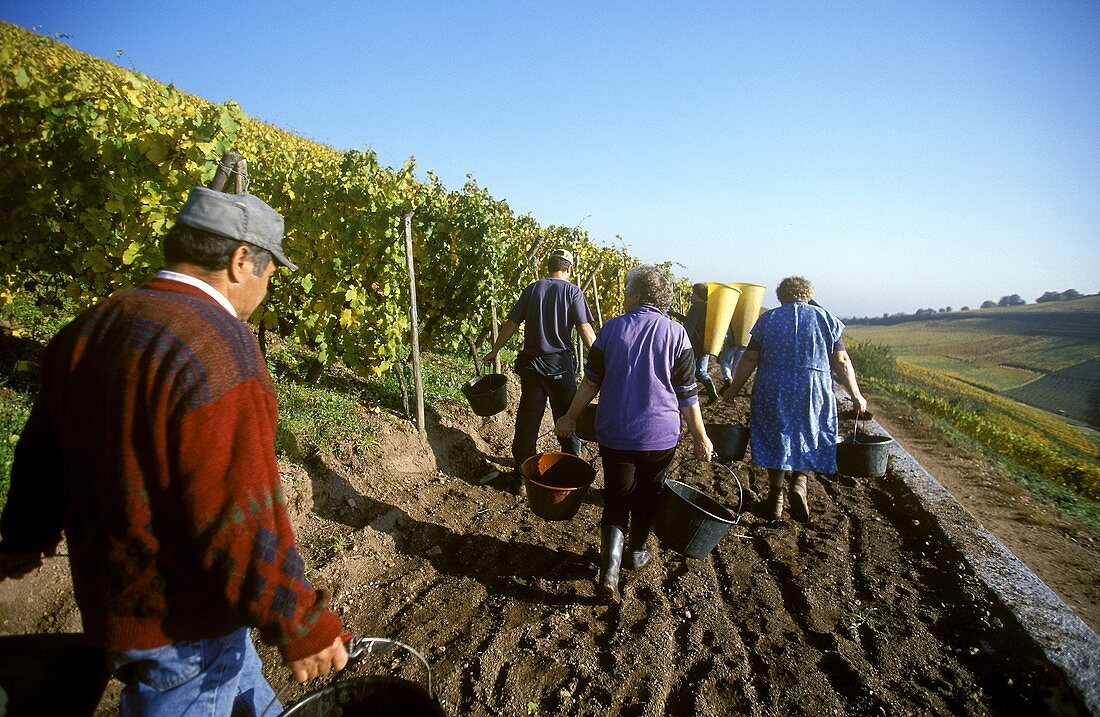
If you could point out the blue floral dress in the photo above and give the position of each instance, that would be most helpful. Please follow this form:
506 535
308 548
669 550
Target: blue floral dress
793 423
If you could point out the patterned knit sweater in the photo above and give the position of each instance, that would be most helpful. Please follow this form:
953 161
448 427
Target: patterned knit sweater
151 444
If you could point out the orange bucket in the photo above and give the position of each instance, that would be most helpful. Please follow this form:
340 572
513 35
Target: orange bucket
556 484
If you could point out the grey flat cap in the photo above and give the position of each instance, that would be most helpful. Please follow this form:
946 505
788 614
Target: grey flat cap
243 217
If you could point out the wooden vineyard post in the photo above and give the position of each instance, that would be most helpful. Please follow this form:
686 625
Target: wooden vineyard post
240 176
494 328
530 258
579 351
596 298
528 263
595 292
417 380
225 169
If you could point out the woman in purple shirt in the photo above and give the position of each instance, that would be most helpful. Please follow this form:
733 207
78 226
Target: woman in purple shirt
643 368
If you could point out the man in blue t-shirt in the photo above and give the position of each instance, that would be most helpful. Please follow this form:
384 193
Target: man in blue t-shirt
549 309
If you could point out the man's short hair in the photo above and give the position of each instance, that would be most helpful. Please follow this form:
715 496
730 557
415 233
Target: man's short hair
560 260
556 263
188 245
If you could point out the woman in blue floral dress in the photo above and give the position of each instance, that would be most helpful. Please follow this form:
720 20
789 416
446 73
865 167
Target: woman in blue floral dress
793 425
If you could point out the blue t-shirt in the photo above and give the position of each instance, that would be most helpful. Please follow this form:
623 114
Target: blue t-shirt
549 309
645 368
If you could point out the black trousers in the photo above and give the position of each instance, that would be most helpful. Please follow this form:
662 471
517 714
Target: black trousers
543 378
632 481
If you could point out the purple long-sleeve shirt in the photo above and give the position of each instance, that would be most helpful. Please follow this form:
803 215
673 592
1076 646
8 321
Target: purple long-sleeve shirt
643 363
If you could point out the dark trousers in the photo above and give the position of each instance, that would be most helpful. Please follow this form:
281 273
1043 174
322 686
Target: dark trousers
632 481
535 389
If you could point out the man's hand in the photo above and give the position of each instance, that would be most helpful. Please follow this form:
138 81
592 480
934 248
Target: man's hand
16 565
321 663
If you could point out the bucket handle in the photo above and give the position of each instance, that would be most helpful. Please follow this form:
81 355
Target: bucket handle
358 647
733 474
591 461
855 434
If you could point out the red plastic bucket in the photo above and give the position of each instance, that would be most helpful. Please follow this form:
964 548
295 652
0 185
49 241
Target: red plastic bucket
556 484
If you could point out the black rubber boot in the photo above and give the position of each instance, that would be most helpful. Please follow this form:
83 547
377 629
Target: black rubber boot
611 560
637 549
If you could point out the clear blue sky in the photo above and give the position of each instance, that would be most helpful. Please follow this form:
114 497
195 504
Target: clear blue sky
900 155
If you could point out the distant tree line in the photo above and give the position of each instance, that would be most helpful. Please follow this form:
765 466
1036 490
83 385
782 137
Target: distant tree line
924 314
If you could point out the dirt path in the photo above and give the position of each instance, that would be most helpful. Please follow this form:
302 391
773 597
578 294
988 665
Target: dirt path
1062 552
865 611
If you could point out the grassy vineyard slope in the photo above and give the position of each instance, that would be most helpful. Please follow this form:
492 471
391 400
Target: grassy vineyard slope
95 160
1045 355
972 371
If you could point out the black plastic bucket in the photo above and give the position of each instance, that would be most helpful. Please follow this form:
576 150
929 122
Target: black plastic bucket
488 395
689 521
730 440
586 424
863 456
556 484
376 696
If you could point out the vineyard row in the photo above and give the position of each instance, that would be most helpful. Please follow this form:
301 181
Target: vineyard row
96 160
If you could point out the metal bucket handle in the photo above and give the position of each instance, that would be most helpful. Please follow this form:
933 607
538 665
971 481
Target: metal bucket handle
740 488
358 647
855 434
591 461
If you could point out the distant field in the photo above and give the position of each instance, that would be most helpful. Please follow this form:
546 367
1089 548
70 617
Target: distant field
1044 355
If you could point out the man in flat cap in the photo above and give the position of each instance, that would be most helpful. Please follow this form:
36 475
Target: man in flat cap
549 310
151 445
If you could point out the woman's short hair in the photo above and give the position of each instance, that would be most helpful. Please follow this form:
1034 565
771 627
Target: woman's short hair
183 244
794 288
652 283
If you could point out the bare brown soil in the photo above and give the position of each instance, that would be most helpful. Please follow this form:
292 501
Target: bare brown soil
864 611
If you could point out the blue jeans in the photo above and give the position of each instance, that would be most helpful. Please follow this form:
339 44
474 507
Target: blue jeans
701 373
729 358
550 378
215 677
702 365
